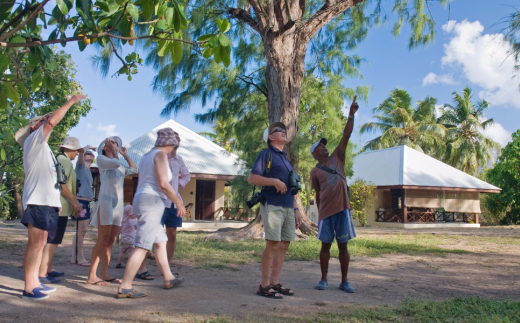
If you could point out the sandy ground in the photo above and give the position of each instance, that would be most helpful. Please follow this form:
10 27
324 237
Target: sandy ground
207 293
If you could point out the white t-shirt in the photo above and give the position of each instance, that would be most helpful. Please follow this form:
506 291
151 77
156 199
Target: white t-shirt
40 172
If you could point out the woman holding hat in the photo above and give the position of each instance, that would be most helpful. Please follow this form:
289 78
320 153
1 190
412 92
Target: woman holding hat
108 212
68 151
153 189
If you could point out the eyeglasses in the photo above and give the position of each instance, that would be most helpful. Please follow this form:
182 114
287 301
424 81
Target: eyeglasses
278 130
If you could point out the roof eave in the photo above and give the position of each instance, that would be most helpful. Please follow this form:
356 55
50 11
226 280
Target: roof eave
441 188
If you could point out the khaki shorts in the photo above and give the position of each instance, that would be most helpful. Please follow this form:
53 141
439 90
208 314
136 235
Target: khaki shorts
279 223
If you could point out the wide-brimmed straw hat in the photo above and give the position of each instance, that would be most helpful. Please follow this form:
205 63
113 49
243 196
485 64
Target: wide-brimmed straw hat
72 143
24 132
166 137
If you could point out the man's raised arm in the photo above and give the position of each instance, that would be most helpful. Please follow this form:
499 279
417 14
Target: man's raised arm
348 127
56 117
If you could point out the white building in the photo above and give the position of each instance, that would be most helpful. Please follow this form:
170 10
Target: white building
211 168
415 190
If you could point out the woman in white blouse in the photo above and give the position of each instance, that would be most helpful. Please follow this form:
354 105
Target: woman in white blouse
108 213
152 191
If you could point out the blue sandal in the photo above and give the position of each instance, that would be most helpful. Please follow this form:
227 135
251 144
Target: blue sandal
322 285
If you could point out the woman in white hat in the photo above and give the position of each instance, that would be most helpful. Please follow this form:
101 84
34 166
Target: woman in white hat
108 212
153 189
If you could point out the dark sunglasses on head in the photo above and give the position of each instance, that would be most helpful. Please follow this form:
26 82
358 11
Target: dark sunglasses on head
277 130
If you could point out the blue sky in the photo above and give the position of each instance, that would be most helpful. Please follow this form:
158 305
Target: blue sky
467 51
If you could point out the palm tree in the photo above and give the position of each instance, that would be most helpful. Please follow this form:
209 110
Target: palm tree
401 124
468 149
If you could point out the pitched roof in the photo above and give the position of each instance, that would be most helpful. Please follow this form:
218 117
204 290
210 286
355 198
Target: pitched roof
200 155
405 166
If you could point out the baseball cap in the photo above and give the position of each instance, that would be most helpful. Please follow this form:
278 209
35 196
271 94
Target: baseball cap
321 141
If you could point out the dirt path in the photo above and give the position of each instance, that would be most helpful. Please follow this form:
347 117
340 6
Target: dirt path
384 280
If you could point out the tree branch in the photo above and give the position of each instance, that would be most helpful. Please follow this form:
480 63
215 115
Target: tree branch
83 38
264 92
242 15
259 13
117 54
15 62
18 17
25 22
329 10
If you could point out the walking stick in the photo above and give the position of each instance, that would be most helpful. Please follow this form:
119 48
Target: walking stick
77 223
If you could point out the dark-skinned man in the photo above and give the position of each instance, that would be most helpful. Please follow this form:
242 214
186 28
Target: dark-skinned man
334 209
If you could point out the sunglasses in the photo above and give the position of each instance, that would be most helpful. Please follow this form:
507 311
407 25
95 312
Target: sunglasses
278 130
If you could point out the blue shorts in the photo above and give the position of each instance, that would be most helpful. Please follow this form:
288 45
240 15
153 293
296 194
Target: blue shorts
170 218
56 236
86 206
337 226
42 217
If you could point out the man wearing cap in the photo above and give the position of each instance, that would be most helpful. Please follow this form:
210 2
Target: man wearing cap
41 195
279 213
69 206
334 209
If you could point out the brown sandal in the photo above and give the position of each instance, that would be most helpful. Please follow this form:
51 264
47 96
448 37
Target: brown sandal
282 290
268 292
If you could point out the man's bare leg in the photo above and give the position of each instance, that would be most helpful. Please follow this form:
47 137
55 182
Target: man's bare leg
33 256
80 236
171 244
48 254
324 260
344 260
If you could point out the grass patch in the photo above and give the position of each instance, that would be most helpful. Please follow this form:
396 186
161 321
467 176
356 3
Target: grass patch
458 310
221 254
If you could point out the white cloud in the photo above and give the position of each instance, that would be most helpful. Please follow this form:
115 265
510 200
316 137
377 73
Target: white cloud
484 60
448 27
110 130
89 125
433 78
498 134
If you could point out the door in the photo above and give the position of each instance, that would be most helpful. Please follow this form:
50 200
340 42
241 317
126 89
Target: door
204 200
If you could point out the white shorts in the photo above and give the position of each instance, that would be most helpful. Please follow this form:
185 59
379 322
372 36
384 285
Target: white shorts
149 210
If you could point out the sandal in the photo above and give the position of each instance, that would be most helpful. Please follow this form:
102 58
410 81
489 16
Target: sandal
100 283
129 293
282 290
268 292
172 283
145 276
114 280
119 266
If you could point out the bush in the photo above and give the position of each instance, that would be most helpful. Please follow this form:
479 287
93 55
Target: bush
362 200
506 175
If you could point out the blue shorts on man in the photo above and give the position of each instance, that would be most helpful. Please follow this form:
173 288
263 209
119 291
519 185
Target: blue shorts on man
337 226
170 218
